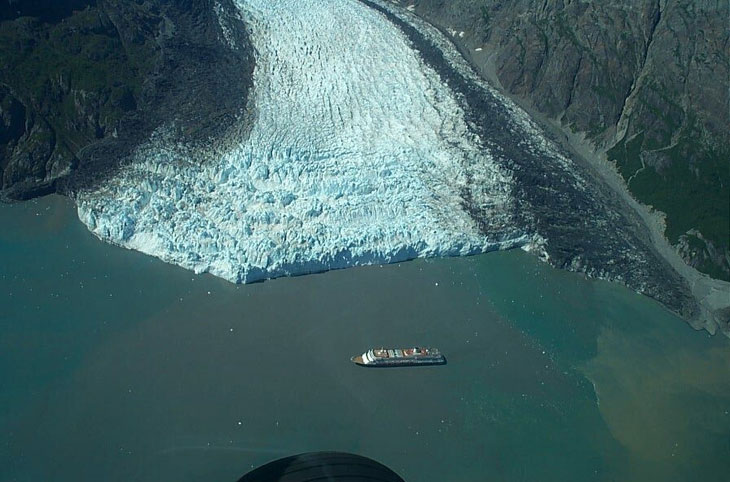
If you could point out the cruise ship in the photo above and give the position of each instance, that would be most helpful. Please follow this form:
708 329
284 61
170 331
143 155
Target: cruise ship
399 357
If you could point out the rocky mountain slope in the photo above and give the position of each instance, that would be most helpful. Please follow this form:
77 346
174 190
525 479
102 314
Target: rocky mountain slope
83 82
645 81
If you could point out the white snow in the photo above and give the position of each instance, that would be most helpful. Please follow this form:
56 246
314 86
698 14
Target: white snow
357 155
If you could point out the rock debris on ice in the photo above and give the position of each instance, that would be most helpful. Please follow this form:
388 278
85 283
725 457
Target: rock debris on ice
357 155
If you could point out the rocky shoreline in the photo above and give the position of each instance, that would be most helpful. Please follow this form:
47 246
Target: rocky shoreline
595 227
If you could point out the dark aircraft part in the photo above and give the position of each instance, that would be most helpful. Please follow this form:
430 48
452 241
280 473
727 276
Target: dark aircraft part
323 467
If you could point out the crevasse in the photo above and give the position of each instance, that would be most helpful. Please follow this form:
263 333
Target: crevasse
357 155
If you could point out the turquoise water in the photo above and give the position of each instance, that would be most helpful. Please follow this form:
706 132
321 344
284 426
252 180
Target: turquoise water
115 366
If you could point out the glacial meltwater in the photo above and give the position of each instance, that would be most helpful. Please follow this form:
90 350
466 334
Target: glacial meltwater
117 366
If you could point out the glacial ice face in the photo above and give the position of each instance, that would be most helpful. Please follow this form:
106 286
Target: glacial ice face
357 155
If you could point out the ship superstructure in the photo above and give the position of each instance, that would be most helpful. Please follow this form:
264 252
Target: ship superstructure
390 357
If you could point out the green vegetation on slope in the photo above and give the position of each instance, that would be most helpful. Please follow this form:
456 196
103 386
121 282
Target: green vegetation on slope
654 71
82 55
75 75
695 196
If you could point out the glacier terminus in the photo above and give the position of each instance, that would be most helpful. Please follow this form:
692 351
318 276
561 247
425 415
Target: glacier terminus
367 138
357 155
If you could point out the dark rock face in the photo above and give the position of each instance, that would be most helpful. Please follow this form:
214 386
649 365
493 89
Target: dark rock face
45 11
28 145
588 228
645 80
82 83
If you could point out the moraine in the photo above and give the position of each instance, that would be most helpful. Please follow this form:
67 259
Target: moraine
368 139
358 154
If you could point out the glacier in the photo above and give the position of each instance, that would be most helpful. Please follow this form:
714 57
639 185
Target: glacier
357 154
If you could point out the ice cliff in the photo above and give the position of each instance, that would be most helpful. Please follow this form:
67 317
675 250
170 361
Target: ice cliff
358 154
